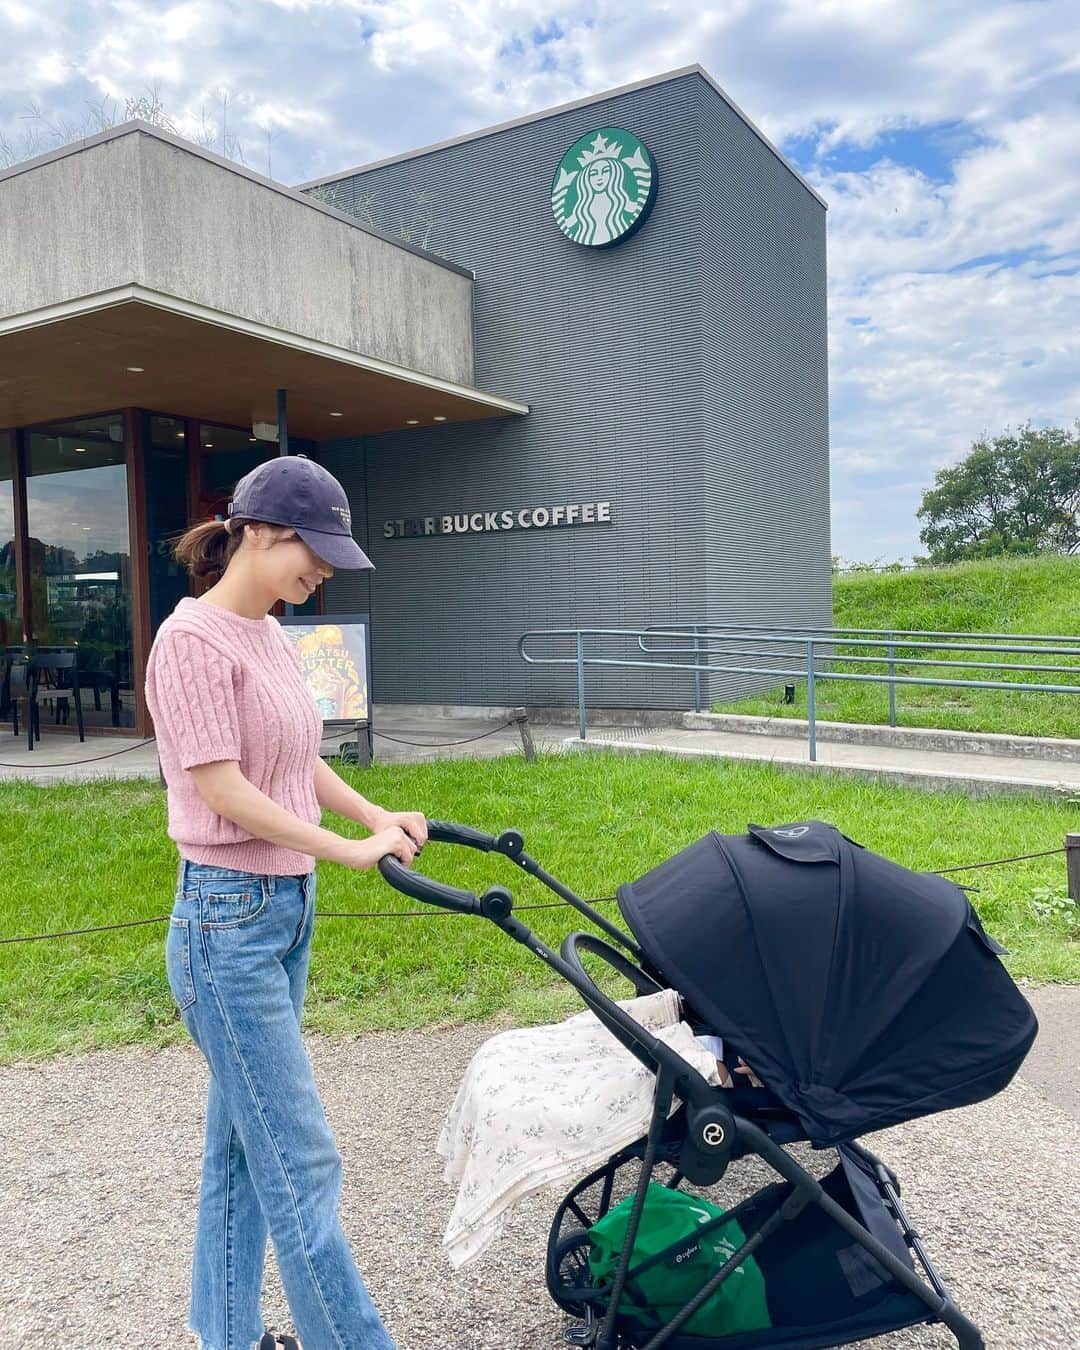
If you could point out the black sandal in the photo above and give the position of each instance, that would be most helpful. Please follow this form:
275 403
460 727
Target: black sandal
271 1342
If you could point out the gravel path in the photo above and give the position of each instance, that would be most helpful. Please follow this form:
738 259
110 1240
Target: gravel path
99 1181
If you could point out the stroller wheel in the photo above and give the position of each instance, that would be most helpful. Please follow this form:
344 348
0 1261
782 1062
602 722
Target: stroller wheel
569 1277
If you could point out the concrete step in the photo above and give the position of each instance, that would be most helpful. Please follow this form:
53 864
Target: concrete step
907 738
971 772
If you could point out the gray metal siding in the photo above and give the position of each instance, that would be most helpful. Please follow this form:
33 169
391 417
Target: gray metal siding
765 392
620 354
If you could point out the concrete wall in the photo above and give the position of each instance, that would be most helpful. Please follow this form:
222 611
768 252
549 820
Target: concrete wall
70 227
679 375
141 208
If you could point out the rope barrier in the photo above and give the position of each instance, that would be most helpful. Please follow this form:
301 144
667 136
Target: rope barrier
999 862
75 763
448 914
438 745
320 914
419 745
77 932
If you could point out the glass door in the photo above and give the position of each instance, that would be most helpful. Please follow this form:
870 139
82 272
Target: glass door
166 465
10 626
80 556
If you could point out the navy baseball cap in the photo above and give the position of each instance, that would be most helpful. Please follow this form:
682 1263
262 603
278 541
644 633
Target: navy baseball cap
294 490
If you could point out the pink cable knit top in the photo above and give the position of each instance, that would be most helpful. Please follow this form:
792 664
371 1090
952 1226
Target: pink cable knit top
221 687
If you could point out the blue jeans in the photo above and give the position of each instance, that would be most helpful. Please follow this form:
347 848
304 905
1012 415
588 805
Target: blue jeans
237 960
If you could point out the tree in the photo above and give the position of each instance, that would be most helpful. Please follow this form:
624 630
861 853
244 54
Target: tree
1016 494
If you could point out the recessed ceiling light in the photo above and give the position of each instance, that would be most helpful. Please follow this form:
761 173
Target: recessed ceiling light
439 417
136 370
337 414
413 422
180 434
80 449
253 438
209 445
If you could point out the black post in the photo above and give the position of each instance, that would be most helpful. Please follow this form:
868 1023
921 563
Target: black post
1072 865
283 448
283 421
521 717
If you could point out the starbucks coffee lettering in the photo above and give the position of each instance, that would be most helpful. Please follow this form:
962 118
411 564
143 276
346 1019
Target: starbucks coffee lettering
487 522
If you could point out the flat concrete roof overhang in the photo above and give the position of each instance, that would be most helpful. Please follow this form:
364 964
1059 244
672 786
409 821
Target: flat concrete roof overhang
137 249
213 367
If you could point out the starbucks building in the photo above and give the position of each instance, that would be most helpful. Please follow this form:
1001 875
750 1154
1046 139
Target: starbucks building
571 371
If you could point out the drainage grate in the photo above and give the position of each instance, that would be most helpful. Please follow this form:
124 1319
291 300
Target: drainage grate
620 733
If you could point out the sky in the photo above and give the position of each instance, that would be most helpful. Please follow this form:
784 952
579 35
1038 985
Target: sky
944 135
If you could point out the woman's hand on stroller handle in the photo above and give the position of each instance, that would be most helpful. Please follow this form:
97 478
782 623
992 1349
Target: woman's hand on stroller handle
496 902
412 822
392 842
510 842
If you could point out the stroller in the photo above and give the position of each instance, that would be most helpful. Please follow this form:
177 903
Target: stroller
861 994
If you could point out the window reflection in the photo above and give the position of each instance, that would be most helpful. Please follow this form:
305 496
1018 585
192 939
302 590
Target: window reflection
166 459
80 563
10 629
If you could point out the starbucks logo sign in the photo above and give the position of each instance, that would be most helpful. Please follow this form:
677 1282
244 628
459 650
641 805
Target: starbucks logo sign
604 188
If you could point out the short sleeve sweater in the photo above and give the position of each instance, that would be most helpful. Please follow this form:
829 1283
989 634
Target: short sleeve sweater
220 686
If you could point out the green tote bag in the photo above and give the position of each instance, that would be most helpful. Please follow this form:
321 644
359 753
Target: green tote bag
682 1241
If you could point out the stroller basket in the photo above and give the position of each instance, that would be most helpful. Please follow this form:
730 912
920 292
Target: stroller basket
824 1289
862 994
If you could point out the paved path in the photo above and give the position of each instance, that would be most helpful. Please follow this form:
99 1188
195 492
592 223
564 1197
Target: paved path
59 757
404 735
926 768
1053 1063
99 1184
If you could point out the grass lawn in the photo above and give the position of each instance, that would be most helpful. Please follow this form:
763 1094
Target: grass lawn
1001 595
75 856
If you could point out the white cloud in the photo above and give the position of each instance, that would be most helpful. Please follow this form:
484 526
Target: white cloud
954 302
931 347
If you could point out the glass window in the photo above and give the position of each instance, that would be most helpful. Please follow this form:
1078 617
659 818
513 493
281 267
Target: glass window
227 454
80 554
10 629
165 445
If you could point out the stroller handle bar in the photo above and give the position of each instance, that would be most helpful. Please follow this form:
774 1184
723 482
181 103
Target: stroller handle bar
448 832
495 903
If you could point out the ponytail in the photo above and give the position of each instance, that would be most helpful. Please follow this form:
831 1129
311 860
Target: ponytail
206 549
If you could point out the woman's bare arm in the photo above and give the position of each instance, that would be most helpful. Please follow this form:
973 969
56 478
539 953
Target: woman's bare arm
228 793
336 795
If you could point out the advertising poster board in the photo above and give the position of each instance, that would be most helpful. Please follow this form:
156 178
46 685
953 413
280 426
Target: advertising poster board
335 653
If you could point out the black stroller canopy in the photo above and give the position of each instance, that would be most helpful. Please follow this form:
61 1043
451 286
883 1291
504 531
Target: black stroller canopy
861 993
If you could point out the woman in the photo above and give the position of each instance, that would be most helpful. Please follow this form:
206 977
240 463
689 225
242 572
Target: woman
238 738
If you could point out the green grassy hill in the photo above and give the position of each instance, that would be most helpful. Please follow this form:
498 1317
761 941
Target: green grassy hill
1024 595
1021 595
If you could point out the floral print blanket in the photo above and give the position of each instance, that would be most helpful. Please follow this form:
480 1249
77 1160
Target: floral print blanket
542 1106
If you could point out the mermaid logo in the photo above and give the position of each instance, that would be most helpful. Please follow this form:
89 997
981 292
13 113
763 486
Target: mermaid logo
604 188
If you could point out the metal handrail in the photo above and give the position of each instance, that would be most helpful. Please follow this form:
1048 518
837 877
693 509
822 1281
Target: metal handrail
824 636
825 631
814 655
879 660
